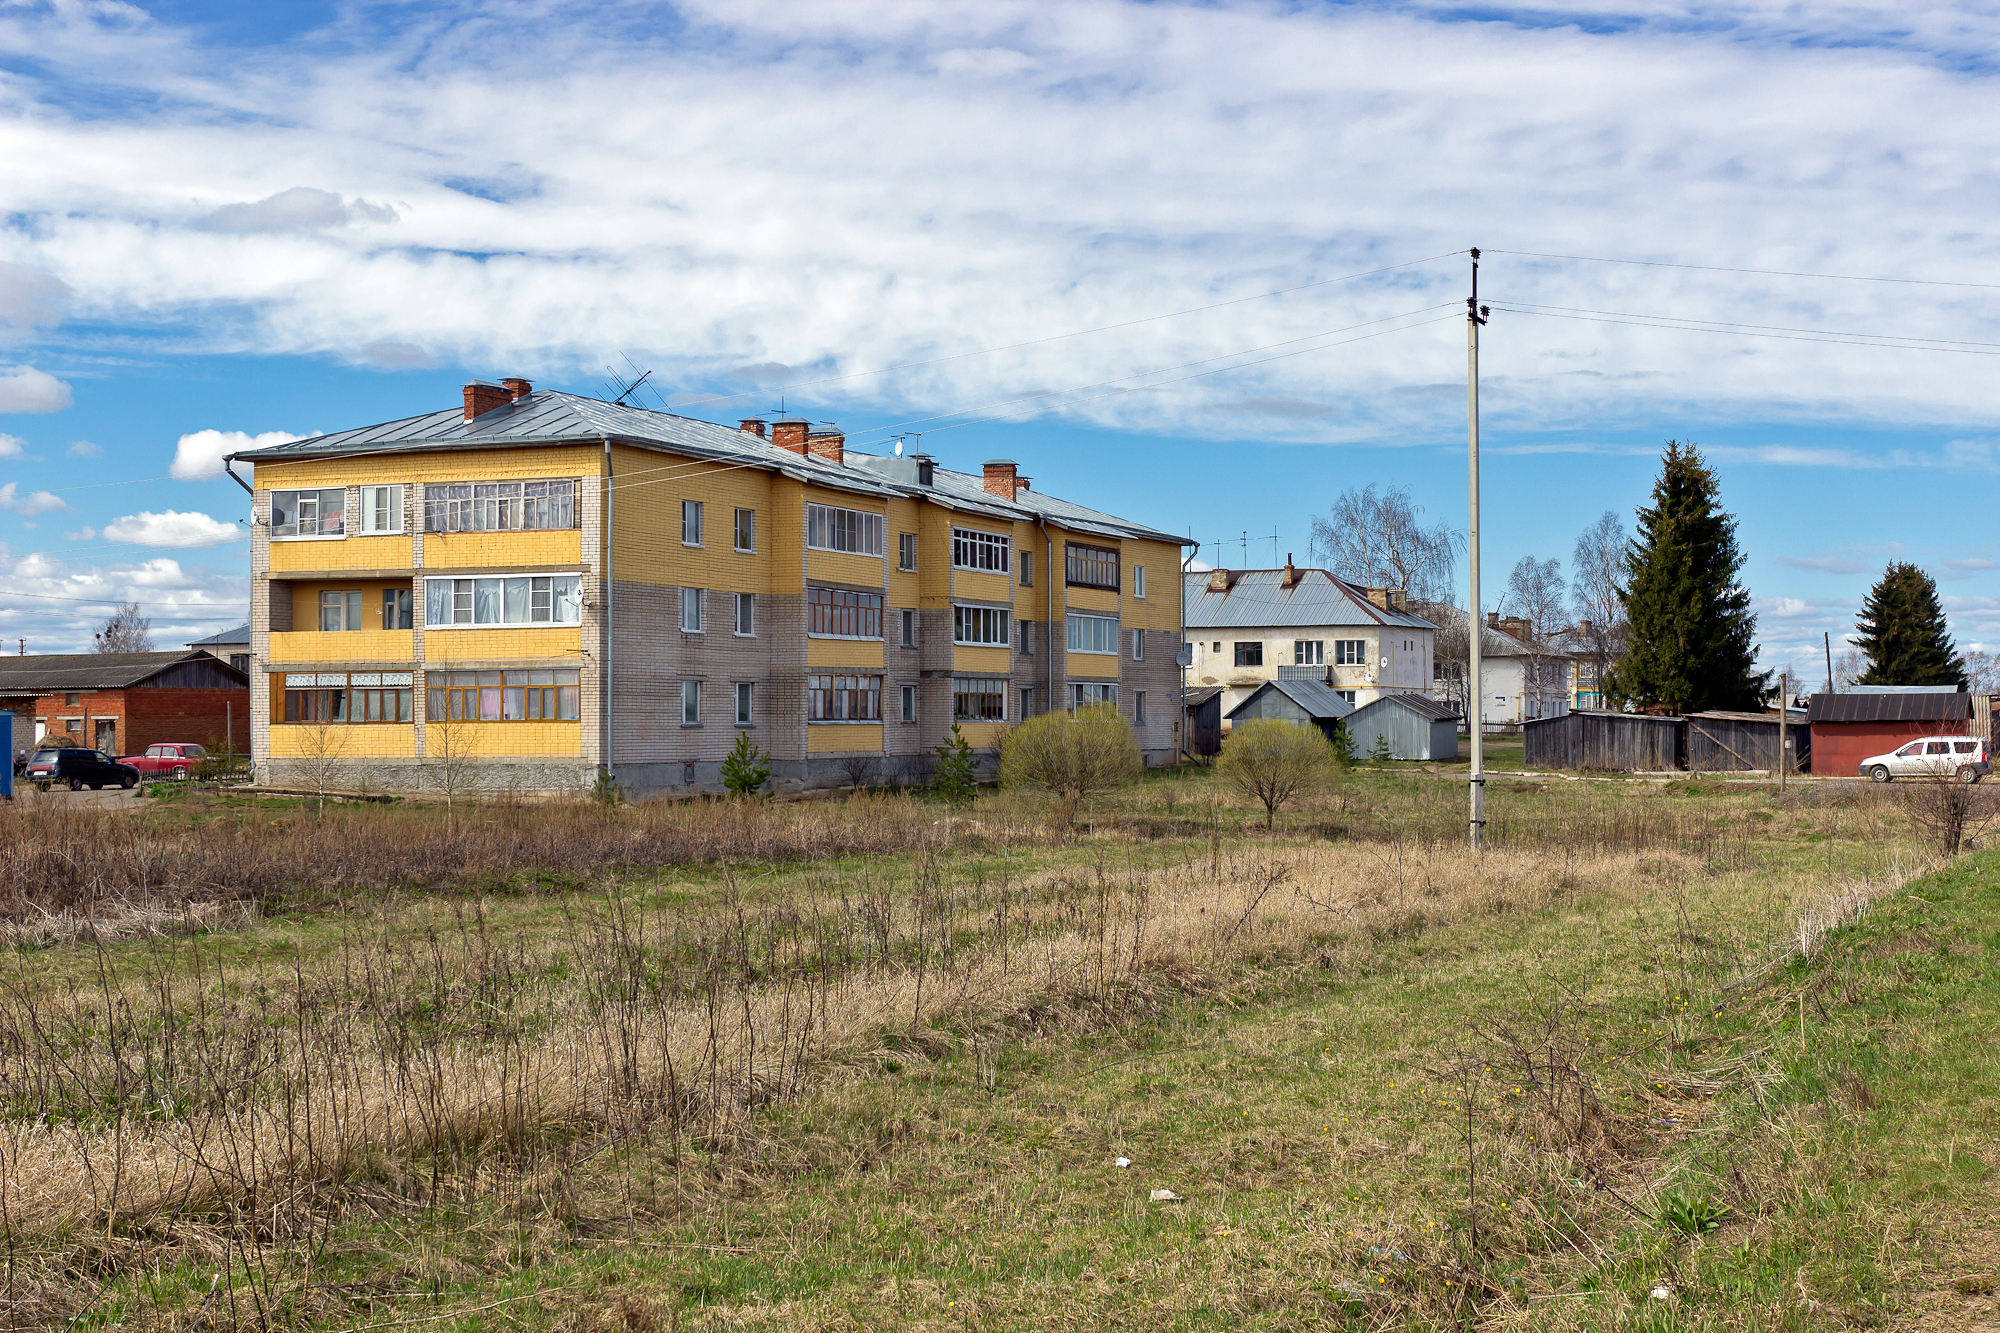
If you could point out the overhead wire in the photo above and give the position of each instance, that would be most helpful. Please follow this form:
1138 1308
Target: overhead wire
1759 272
1685 324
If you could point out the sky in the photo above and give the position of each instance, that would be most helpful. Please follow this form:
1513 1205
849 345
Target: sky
1200 265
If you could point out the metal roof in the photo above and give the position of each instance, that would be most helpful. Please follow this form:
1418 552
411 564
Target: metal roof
54 673
1317 699
547 416
1196 698
1902 689
1258 599
1437 710
1925 707
241 634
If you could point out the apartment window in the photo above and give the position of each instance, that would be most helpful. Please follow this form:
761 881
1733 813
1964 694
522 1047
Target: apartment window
1027 705
72 700
1138 645
537 599
1139 707
979 700
339 610
1089 694
1093 634
1346 694
1249 654
1027 638
1138 580
1216 646
690 523
1308 652
982 625
843 698
690 610
744 690
1027 569
841 614
690 703
381 509
850 530
906 550
499 506
908 621
972 549
1350 652
746 529
746 613
343 696
1092 566
396 608
909 703
309 513
503 696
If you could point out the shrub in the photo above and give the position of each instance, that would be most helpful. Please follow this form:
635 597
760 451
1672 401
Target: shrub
955 776
1072 757
746 768
1271 761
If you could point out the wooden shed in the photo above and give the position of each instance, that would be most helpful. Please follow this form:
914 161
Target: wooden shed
1416 726
1306 702
1724 742
1204 720
1613 742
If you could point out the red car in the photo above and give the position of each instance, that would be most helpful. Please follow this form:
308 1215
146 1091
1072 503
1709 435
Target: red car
172 761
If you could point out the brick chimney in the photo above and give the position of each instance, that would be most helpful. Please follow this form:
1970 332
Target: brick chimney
1583 628
1493 620
1291 573
926 469
1000 477
1379 598
517 386
1218 580
755 425
789 435
828 445
481 398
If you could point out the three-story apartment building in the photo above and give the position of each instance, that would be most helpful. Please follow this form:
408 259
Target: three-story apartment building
541 587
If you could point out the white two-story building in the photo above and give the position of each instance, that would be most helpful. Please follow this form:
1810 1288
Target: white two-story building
1247 626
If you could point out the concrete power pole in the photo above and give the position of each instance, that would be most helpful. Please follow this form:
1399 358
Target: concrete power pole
1475 315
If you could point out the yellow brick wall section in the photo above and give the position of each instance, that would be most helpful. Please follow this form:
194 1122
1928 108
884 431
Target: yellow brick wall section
1160 608
785 563
934 572
503 740
649 490
842 737
305 602
903 515
1093 666
349 553
345 646
983 735
986 661
839 567
1096 601
289 740
844 654
499 645
532 462
557 550
971 585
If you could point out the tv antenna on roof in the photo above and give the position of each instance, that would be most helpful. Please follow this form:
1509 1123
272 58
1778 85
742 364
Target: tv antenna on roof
626 388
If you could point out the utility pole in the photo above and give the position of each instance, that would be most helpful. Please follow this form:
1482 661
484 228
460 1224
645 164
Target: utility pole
1784 739
1475 315
1826 637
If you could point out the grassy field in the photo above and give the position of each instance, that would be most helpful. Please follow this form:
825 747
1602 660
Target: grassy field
875 1062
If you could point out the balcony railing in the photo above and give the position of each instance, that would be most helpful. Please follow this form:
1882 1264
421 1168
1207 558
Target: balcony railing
1302 673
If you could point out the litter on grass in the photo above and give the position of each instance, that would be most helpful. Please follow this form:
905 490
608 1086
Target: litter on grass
1165 1196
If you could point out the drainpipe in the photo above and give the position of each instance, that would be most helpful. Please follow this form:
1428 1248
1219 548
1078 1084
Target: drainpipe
1049 574
610 610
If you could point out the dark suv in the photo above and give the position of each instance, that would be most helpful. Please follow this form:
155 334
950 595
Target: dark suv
80 768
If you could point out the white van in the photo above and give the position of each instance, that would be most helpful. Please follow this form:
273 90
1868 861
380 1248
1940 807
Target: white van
1962 757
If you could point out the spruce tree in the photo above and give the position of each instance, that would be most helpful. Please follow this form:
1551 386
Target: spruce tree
1691 645
1903 632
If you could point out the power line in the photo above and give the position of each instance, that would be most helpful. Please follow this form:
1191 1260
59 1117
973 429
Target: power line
1760 272
1895 342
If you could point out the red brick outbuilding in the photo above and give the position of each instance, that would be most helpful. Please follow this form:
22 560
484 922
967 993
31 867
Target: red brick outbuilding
122 702
1848 728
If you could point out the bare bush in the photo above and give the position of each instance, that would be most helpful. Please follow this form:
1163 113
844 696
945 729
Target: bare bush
1273 761
1071 756
1948 813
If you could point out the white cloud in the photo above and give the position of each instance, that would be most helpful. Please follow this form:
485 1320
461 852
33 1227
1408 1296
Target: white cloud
84 449
30 298
12 446
40 502
300 208
172 528
200 454
395 356
71 599
83 534
25 389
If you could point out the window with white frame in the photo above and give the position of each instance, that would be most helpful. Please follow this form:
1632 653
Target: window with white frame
320 513
1308 652
1350 652
909 703
906 550
381 509
690 523
978 700
499 506
907 621
973 549
339 611
1093 634
1138 580
854 531
690 703
744 690
1089 694
979 625
843 698
536 599
746 613
746 529
690 610
1138 645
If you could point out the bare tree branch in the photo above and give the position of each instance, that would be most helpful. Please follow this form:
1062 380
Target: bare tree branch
1379 540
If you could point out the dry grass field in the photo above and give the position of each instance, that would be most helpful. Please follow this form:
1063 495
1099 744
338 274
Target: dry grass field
875 1062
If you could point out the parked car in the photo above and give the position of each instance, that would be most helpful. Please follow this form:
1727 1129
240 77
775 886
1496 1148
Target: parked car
1961 757
79 768
175 761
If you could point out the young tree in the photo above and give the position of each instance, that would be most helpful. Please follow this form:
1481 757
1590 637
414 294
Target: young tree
125 632
1379 540
955 771
1982 671
1272 761
1692 634
1595 567
448 761
1072 758
1903 632
1535 593
321 751
746 768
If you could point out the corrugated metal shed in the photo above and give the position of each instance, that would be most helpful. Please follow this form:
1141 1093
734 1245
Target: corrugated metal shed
58 673
1416 726
1257 598
1305 702
1204 720
1612 742
1902 706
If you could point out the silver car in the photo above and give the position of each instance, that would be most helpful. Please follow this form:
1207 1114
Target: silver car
1960 757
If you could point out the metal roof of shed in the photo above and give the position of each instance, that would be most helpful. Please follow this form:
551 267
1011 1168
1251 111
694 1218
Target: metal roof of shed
1317 699
1926 707
1437 710
1258 599
53 673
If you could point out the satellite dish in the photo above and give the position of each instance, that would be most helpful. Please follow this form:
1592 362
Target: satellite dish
899 447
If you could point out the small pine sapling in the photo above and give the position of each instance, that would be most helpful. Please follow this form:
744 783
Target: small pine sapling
1379 753
1344 752
746 768
956 775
